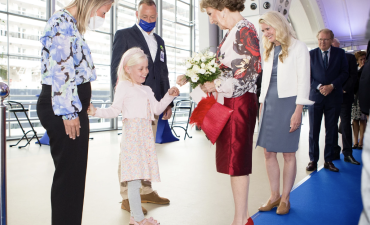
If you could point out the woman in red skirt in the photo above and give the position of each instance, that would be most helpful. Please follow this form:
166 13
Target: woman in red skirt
239 58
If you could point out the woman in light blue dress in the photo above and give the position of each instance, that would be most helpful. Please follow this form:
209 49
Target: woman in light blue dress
285 89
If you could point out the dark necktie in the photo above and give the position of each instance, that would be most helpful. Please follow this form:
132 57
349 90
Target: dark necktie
326 59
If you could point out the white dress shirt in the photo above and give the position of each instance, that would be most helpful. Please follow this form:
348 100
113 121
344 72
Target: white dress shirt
151 41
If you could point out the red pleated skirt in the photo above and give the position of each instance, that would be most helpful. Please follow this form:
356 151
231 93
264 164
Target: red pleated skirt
235 143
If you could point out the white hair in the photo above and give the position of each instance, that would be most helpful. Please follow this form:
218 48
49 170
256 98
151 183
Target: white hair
337 40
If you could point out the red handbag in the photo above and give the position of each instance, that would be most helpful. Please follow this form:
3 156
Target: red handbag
211 116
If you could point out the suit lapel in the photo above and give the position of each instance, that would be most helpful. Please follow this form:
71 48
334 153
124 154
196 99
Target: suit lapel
157 55
333 56
142 41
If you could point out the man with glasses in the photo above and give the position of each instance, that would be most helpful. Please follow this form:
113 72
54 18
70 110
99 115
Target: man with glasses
142 35
329 70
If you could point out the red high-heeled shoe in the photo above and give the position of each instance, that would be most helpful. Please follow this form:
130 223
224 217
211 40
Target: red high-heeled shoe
250 221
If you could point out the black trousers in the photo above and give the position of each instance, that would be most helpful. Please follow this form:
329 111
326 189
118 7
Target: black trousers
345 119
70 158
330 110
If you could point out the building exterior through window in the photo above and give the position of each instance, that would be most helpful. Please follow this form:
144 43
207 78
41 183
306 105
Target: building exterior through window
22 24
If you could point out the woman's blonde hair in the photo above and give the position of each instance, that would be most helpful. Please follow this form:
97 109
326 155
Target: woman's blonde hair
84 10
283 33
131 57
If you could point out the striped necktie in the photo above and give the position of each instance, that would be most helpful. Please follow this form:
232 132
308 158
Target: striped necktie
326 59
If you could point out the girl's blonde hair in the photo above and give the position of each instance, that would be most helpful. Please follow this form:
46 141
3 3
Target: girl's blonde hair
84 10
131 57
284 32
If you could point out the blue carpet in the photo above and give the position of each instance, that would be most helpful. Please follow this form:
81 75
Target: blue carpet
324 198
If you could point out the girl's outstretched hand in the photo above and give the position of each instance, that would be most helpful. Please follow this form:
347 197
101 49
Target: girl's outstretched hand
91 110
174 91
181 80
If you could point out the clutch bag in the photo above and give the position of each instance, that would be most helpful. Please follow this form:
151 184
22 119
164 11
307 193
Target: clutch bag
211 116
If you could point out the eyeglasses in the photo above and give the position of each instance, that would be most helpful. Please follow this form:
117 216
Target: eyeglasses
324 40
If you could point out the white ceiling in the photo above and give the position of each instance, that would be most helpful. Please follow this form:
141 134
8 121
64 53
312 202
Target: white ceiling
347 19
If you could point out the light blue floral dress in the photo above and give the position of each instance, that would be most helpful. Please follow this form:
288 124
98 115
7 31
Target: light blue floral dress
65 63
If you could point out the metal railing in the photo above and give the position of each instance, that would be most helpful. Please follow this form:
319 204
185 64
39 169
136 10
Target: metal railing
4 92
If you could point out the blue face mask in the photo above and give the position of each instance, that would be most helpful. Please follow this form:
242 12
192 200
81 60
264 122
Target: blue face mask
147 27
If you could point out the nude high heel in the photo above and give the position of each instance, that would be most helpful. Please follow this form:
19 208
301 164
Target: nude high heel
283 208
270 205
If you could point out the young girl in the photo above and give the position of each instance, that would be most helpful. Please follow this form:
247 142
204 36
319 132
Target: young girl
138 105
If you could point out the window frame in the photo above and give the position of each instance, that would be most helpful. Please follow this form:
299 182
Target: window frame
51 8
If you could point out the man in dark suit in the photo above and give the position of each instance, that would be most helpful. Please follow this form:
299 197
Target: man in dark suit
142 35
364 90
346 110
329 70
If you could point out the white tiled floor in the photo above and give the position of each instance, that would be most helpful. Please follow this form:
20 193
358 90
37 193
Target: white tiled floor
199 195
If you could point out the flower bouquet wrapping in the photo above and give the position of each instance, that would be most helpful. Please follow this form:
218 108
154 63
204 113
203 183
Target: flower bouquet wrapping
202 67
210 115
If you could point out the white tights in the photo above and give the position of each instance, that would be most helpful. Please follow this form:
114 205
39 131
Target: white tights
135 199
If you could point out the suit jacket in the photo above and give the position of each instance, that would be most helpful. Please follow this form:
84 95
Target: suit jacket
336 74
157 78
350 83
293 75
364 90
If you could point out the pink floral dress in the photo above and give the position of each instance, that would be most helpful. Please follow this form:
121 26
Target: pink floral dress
138 155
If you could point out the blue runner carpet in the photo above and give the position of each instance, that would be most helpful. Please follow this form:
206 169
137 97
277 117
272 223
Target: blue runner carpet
325 198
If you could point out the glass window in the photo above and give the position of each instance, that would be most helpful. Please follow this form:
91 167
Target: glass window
183 12
176 66
4 69
59 4
129 3
3 34
3 4
126 17
176 32
24 36
183 37
34 8
99 45
186 1
20 58
168 7
196 25
24 74
101 95
169 33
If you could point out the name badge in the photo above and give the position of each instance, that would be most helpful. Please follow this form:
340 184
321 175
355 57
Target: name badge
162 56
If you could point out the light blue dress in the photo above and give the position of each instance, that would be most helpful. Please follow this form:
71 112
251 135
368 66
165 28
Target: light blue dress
275 118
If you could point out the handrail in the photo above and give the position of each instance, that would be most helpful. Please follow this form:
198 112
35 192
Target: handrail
4 92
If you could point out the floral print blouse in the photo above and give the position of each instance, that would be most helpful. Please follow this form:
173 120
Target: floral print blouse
65 63
240 61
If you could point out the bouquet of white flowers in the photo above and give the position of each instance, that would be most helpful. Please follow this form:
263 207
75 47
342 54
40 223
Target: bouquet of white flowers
202 67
